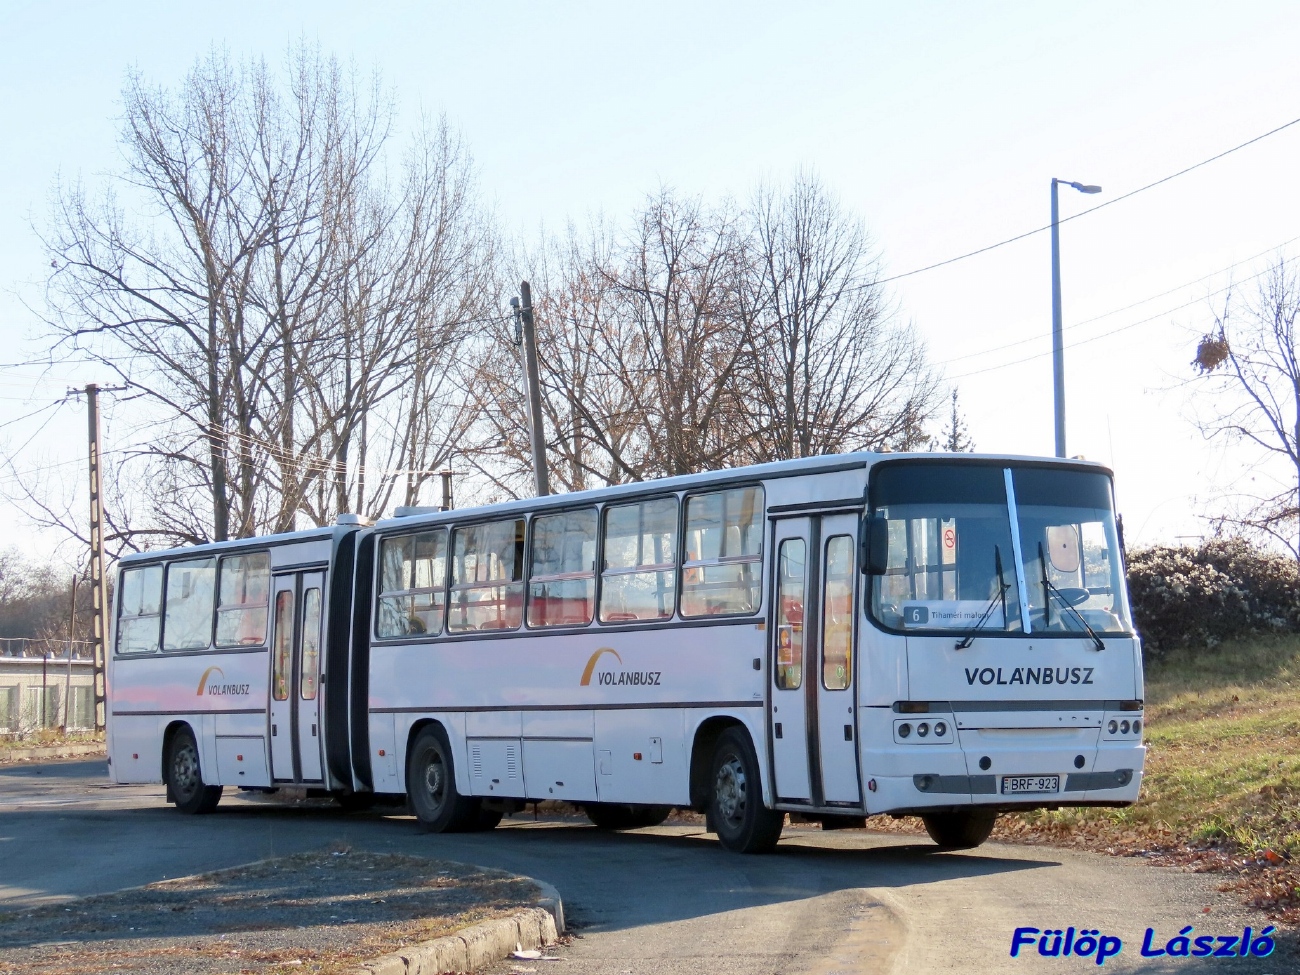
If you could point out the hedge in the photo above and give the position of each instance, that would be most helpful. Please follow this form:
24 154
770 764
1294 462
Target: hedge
1192 597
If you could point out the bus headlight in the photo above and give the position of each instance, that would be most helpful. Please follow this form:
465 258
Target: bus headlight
1122 728
904 730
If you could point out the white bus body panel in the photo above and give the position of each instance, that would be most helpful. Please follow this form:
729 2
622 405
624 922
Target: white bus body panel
218 694
523 696
1004 718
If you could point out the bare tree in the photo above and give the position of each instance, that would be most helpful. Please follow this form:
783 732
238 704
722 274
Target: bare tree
291 319
639 345
829 369
1251 395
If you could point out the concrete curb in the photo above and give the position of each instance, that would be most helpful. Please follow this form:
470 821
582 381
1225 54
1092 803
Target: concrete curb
92 749
478 946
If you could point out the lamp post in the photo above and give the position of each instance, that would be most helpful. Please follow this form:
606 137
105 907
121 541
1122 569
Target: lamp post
1058 346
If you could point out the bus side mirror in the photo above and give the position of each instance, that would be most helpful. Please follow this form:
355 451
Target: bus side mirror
873 545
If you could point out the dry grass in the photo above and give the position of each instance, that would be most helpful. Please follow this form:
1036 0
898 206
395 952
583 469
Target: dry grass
44 737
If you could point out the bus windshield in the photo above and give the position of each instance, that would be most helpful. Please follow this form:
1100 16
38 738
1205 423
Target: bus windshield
956 561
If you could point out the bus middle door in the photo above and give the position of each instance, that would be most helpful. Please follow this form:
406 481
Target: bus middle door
295 678
813 722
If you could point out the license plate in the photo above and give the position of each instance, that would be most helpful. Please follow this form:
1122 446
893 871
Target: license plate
1026 784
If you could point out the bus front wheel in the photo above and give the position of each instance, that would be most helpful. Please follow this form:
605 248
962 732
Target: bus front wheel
185 776
742 822
963 830
431 786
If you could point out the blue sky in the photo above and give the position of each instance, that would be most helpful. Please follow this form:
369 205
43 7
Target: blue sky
941 124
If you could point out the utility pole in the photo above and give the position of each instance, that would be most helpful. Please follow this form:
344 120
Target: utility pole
446 490
524 317
96 552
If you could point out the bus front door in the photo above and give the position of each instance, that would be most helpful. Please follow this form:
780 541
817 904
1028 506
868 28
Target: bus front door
812 725
295 677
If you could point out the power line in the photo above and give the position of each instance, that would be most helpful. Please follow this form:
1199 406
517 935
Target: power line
1129 307
1084 213
1103 335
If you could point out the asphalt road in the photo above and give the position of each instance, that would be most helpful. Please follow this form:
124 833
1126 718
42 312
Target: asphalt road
665 900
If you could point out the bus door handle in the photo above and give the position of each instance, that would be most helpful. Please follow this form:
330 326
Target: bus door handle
848 732
778 729
313 731
274 731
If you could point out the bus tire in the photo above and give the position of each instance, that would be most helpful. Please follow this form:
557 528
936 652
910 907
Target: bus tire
431 786
185 776
742 822
963 830
612 816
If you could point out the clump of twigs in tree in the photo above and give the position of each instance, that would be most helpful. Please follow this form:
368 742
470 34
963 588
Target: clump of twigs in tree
1212 352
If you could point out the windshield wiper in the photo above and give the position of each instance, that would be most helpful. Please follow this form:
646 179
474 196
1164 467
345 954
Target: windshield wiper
1050 590
969 638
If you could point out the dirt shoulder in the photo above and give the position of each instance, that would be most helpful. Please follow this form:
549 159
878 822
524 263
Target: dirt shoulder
43 746
322 912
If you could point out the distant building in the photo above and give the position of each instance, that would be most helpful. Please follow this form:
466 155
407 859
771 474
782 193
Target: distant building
37 683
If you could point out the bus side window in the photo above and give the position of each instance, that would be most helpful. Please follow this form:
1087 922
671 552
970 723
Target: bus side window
187 612
723 572
562 578
243 588
412 585
138 615
487 577
638 574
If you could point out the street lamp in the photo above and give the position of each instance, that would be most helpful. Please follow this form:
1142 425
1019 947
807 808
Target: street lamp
1058 347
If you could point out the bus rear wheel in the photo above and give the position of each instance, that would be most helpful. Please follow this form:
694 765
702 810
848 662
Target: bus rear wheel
431 786
963 830
609 815
185 777
742 822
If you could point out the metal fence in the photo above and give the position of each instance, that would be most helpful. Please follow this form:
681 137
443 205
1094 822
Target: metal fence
31 646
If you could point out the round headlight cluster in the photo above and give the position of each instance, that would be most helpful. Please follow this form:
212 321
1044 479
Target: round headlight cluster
904 730
923 729
1116 727
940 729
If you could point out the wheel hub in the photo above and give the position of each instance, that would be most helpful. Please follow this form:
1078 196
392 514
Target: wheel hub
730 788
185 772
434 780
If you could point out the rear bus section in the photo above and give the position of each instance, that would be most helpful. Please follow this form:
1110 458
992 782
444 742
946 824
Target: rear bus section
1003 670
229 667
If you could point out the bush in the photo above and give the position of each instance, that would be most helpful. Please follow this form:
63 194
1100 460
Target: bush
1187 597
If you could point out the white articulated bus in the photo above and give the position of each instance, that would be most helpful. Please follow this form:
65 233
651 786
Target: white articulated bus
946 636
